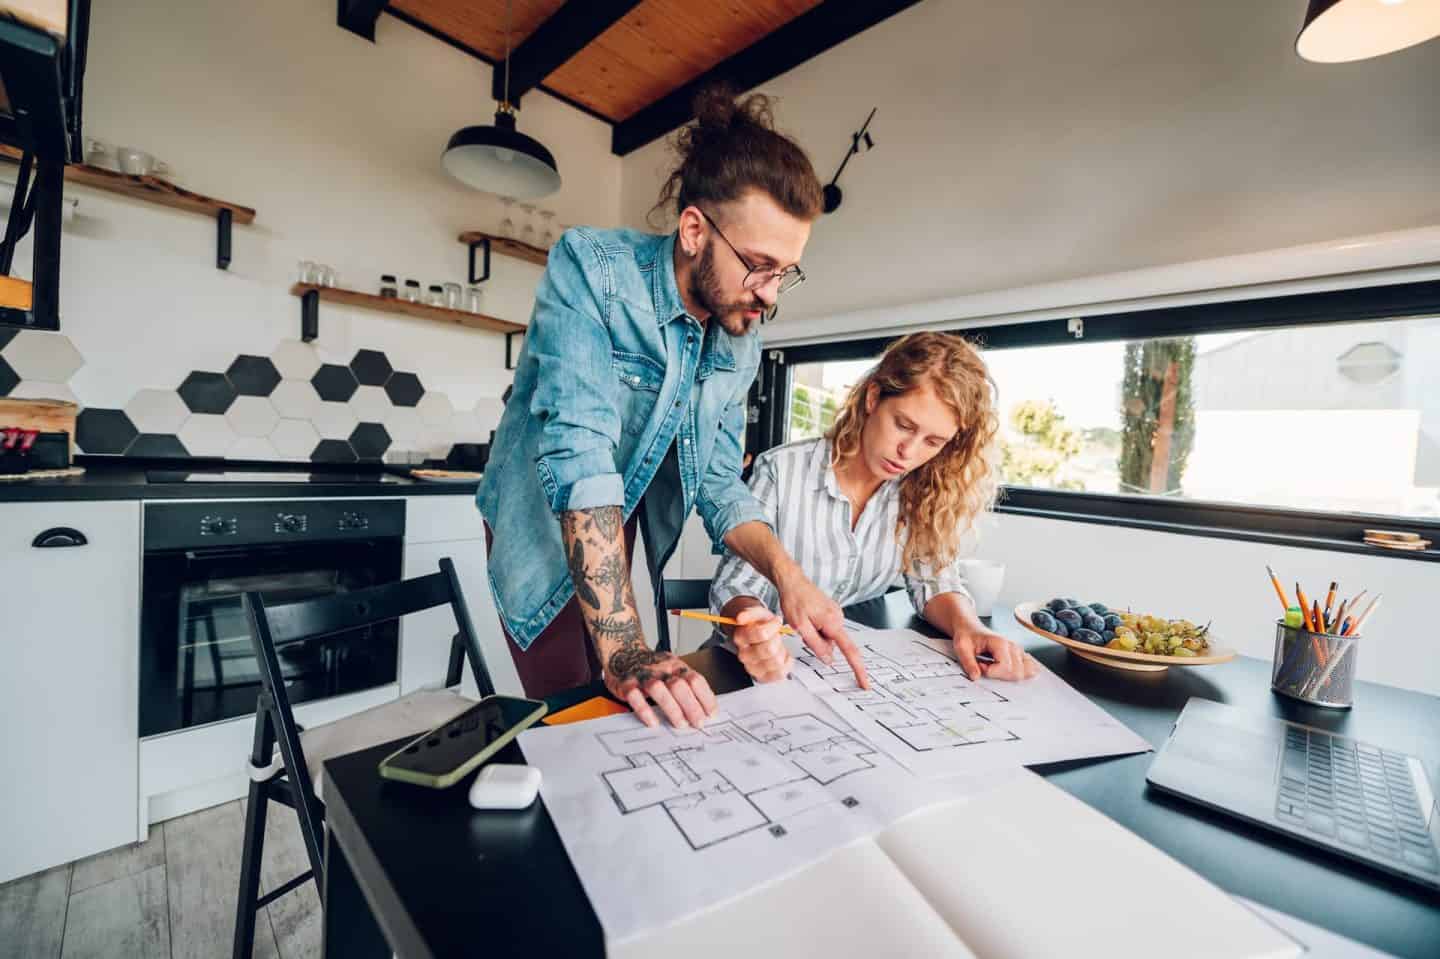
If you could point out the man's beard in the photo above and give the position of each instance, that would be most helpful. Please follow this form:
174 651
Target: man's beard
705 291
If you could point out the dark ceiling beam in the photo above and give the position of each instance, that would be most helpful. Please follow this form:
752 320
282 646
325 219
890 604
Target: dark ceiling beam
359 16
559 38
805 37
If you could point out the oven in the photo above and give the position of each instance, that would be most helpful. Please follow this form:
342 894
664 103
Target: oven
197 665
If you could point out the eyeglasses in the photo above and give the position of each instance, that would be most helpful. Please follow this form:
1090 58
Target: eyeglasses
758 277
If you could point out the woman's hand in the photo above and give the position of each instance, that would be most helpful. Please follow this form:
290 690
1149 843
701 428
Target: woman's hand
1010 661
758 644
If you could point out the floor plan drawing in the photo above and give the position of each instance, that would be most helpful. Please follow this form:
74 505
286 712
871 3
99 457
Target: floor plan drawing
922 711
917 694
747 773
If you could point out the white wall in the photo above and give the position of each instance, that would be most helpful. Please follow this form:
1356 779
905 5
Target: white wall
336 143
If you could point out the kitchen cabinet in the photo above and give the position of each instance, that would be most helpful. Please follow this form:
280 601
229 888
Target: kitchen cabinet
69 681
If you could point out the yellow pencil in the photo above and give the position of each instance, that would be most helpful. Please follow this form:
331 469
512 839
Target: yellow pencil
1279 591
722 620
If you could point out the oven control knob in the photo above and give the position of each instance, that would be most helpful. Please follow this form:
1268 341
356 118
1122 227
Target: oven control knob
215 526
291 522
354 521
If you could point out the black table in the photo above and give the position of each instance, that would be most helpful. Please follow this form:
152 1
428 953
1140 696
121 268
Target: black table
428 875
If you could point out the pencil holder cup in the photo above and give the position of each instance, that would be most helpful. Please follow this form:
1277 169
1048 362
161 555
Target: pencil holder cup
1315 668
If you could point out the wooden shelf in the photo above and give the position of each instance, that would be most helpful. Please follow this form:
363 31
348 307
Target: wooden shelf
149 188
422 311
499 244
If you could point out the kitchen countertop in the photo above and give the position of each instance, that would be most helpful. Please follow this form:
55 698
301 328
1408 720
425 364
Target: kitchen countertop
122 479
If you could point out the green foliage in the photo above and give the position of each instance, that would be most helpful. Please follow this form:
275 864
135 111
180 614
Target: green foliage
1046 445
1147 363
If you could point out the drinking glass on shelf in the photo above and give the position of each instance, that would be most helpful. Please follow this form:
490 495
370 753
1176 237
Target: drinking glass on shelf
507 225
527 232
452 296
307 272
548 236
474 298
325 274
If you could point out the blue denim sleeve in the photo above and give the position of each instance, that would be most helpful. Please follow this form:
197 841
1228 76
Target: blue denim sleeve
574 396
724 501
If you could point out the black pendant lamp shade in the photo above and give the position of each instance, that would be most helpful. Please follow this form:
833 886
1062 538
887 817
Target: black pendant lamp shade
501 160
1337 31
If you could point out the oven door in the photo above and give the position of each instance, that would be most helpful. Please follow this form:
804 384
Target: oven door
197 664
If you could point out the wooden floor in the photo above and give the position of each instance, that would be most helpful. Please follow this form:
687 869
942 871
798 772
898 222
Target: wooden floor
170 896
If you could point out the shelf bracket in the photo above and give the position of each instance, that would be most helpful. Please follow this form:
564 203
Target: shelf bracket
485 275
512 353
223 221
309 315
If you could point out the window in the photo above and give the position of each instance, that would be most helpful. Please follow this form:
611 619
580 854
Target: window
1336 418
1297 419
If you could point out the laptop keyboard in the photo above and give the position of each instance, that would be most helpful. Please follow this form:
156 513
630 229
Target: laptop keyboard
1356 795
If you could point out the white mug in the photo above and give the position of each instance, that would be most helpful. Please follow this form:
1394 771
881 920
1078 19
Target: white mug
983 578
137 162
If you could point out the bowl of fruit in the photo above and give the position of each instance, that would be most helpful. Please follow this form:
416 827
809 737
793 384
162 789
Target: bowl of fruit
1122 638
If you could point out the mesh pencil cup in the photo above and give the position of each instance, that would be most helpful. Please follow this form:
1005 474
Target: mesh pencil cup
1315 668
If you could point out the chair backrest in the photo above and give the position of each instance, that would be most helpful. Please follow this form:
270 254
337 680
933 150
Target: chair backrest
677 594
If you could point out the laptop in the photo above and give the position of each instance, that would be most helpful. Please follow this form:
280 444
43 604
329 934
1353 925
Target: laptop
1362 801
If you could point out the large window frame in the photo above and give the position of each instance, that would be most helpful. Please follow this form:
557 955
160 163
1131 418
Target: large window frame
1282 526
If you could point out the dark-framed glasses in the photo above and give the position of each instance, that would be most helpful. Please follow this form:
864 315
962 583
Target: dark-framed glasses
758 277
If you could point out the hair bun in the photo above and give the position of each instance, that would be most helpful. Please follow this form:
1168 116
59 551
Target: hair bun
715 107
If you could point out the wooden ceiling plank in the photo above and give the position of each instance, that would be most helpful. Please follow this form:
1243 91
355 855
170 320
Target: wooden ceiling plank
564 34
802 39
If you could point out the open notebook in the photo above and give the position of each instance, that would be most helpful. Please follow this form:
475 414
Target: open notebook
1020 869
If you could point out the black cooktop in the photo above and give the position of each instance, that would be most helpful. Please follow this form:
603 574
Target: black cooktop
277 476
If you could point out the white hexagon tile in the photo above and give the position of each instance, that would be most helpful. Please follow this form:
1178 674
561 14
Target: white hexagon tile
207 434
294 439
157 411
43 356
295 360
252 416
436 409
334 421
403 423
252 448
296 399
369 404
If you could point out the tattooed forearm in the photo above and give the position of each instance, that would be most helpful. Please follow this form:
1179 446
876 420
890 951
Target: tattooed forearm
595 553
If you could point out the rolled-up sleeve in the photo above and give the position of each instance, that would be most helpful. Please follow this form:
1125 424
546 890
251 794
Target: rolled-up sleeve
575 385
735 577
723 501
928 584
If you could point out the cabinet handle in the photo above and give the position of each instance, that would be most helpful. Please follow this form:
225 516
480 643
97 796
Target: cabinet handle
59 536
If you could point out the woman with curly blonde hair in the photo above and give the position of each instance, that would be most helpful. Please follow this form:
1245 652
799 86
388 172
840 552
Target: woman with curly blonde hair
885 497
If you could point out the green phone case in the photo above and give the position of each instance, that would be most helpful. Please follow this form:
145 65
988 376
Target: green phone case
446 780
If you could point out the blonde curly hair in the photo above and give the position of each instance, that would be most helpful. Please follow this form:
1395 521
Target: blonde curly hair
939 501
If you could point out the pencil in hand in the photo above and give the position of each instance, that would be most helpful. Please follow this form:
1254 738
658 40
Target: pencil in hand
721 620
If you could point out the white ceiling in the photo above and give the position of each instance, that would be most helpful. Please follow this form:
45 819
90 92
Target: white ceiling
1037 140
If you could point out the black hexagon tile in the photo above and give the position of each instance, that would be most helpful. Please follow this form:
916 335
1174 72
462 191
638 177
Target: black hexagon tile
158 445
370 441
334 382
9 379
100 430
332 451
404 389
207 392
7 333
371 367
253 375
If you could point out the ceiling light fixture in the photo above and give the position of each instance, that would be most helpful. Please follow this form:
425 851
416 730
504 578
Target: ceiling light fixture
1338 31
499 158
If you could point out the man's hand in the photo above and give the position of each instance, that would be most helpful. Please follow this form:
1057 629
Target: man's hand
635 672
1010 661
819 621
758 644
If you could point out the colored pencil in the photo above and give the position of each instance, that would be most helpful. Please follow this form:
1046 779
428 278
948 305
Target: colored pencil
1360 621
1304 607
722 620
1275 581
1330 602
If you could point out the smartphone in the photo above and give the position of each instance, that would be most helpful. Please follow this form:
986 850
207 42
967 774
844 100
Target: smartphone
444 755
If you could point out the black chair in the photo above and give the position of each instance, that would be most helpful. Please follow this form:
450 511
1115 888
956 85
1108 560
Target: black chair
292 778
677 594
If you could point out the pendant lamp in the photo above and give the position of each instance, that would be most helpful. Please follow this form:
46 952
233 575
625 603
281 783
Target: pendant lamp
1337 31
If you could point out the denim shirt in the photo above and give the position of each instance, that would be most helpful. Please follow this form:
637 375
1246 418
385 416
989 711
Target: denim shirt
613 373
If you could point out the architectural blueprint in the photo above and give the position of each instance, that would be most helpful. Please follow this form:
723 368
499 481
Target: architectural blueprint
922 711
661 823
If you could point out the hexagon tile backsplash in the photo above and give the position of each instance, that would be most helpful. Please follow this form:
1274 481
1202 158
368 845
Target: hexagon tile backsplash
286 406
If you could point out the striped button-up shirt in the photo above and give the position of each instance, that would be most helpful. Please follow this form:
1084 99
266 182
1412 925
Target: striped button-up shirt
851 562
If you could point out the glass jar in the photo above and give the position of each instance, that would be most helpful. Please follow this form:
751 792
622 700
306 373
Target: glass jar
474 298
412 291
388 288
454 296
435 296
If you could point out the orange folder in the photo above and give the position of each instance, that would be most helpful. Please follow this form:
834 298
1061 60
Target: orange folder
592 708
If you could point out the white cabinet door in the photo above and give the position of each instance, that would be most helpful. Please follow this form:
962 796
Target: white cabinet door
425 637
69 683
